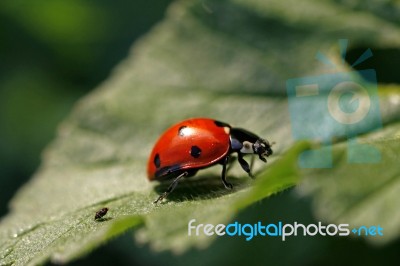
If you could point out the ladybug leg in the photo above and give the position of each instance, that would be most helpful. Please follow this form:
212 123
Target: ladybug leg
244 164
171 187
252 163
223 174
230 163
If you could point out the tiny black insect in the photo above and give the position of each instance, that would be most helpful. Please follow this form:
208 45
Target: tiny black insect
101 213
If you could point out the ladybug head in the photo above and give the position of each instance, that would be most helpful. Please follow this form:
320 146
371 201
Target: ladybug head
246 142
262 148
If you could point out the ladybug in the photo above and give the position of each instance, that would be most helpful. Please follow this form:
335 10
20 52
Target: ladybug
198 143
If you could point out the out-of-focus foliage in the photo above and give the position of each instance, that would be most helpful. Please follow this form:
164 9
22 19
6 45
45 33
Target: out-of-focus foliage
51 53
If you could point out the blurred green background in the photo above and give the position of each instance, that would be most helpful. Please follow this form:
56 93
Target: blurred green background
52 53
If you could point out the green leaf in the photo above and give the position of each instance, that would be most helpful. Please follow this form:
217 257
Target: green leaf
223 59
360 194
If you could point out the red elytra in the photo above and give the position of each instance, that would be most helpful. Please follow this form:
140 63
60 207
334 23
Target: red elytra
198 143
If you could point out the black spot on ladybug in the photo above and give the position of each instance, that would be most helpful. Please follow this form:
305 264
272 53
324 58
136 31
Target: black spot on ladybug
157 161
221 124
195 152
181 132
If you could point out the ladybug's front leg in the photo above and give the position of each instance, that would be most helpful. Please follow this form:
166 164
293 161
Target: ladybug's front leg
223 174
244 164
171 187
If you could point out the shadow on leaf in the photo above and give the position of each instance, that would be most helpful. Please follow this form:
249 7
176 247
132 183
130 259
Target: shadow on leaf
201 187
104 219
